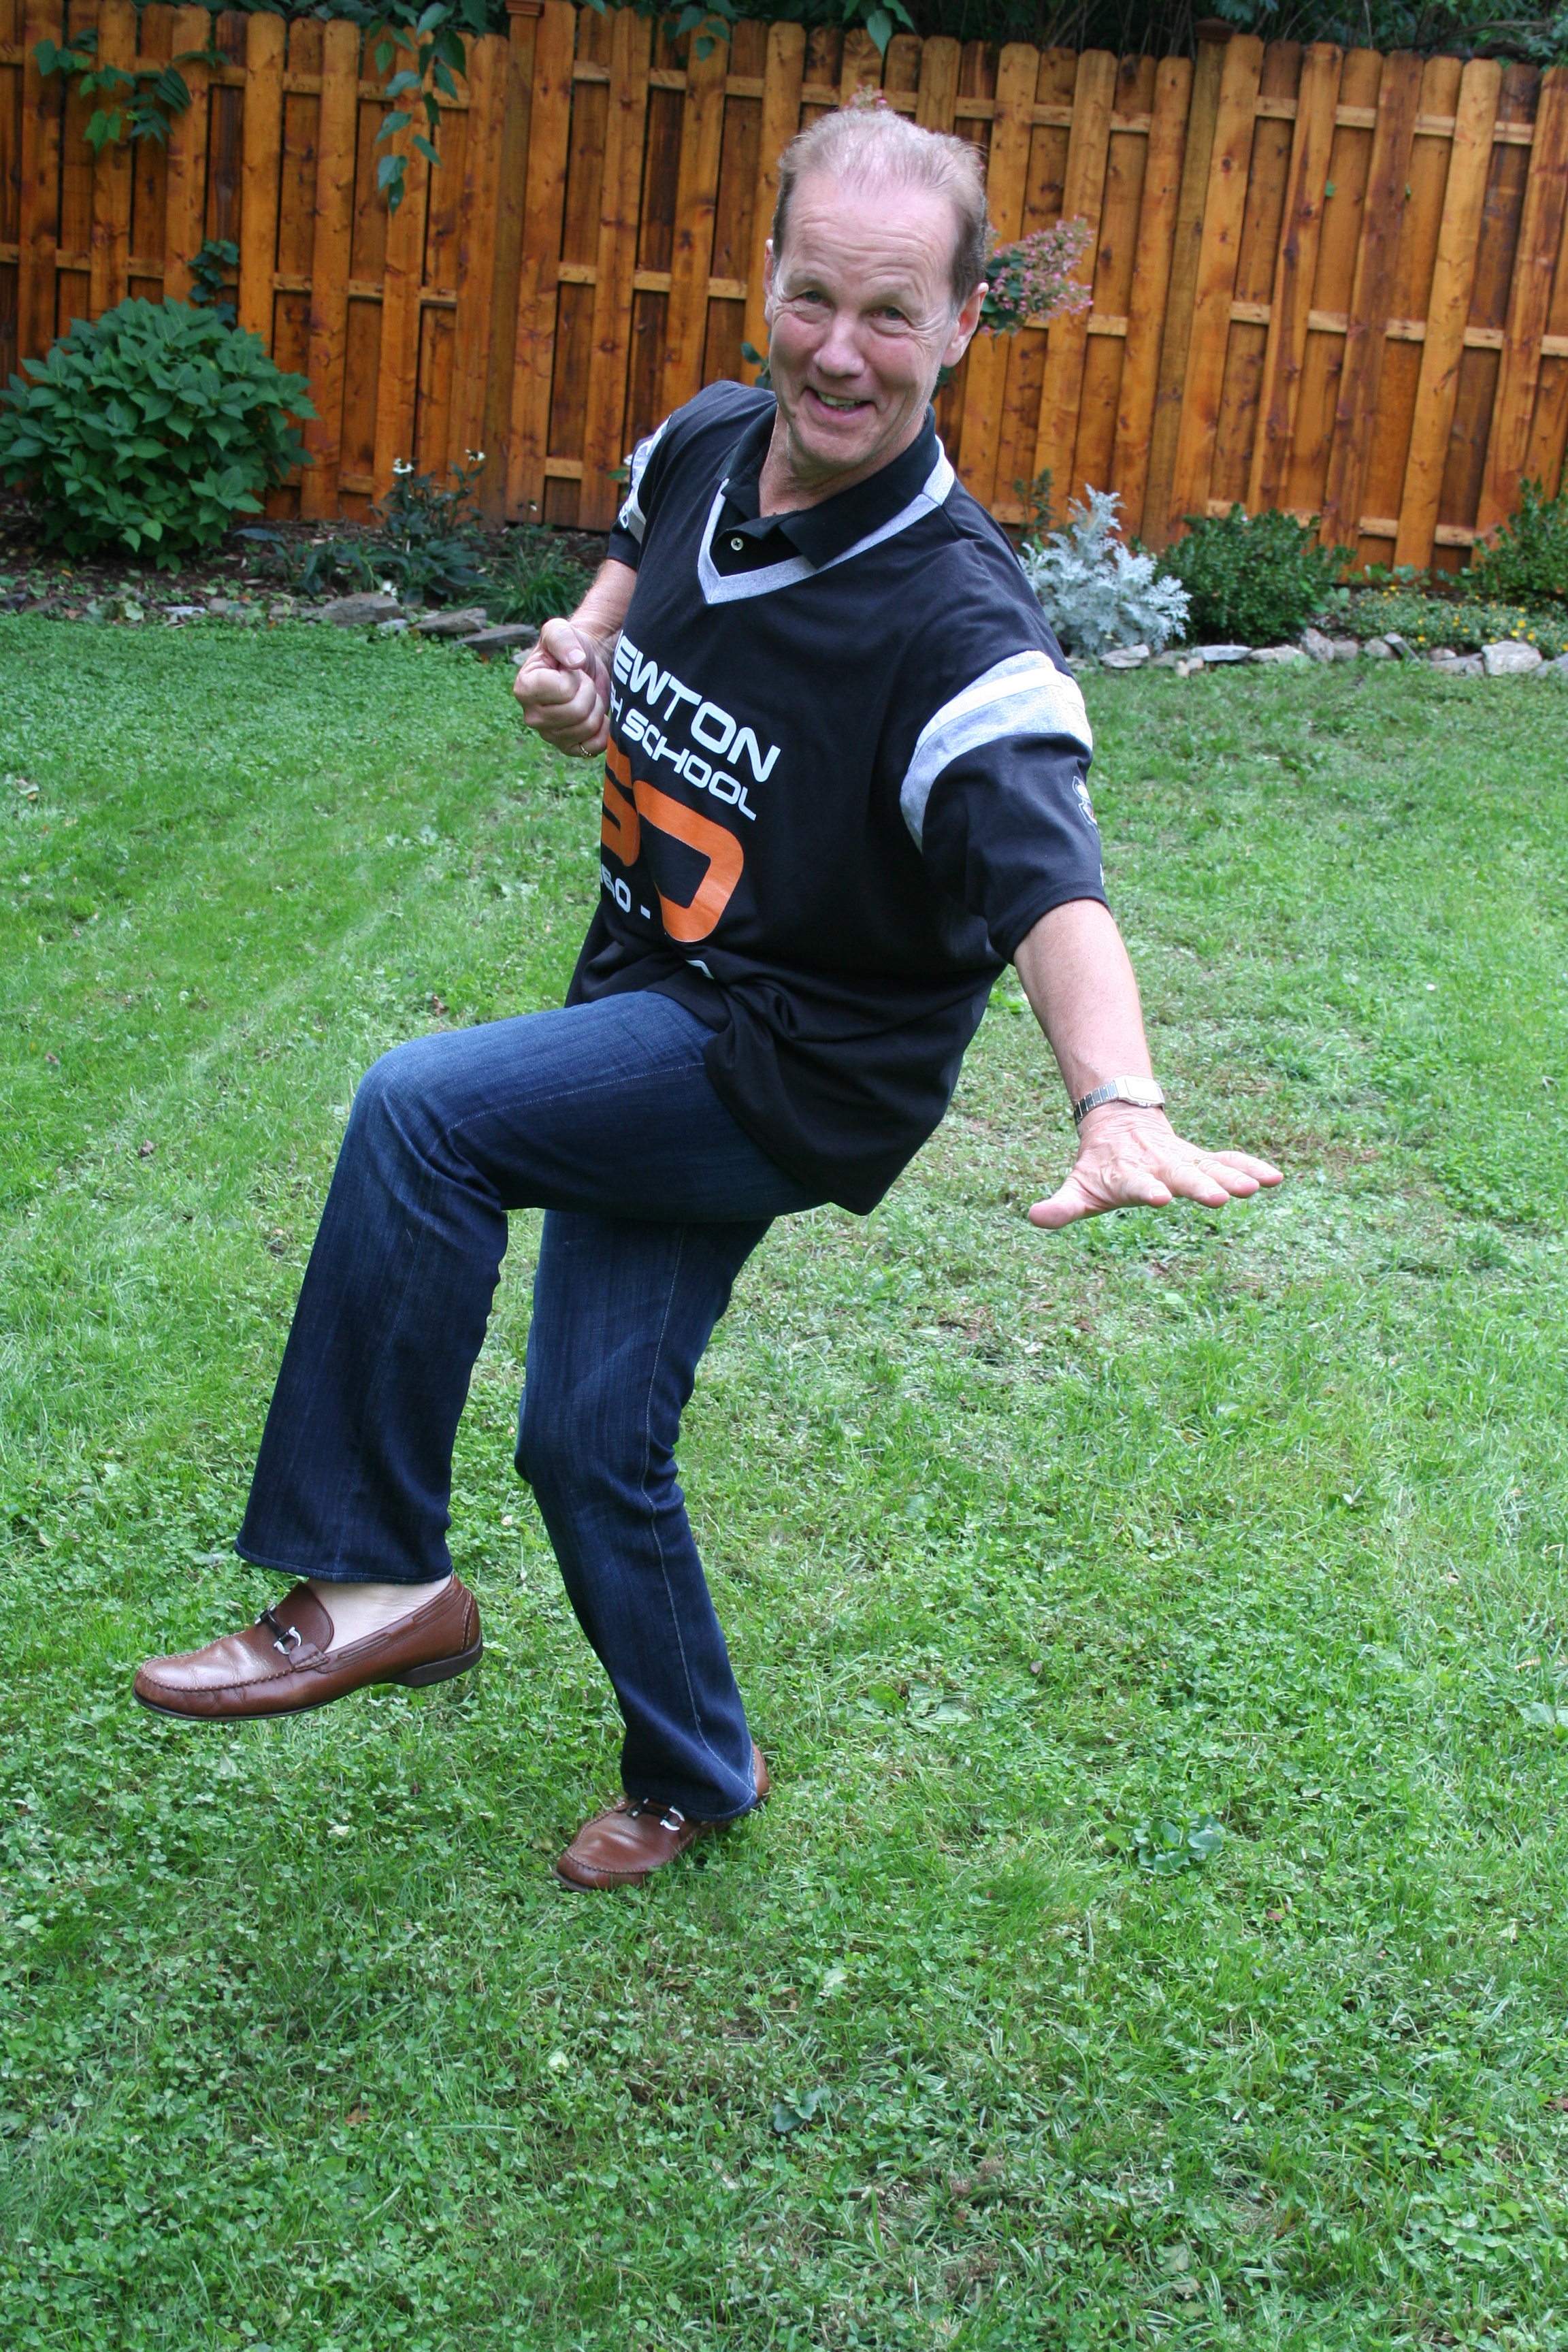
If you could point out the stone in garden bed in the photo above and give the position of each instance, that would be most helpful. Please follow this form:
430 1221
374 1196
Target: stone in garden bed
357 611
1287 656
1220 653
1125 657
1316 647
1345 648
466 622
503 639
1453 665
1509 658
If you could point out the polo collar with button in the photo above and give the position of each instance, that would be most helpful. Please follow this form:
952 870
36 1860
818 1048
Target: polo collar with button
826 530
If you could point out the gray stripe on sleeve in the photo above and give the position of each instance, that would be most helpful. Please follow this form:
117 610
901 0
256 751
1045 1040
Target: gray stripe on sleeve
631 517
1025 695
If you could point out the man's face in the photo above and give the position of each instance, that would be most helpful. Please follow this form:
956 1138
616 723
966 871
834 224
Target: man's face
860 308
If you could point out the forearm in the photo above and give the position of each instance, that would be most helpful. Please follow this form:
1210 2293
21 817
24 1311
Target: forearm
606 604
1079 981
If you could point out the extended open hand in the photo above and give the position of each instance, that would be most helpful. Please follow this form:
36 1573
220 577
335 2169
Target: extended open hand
1129 1157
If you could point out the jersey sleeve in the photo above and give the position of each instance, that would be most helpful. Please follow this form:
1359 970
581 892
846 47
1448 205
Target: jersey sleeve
995 795
649 461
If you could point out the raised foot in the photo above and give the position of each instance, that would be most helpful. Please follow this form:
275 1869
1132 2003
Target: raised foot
285 1663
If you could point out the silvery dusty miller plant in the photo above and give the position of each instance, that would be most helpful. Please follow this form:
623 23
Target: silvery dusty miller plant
1094 591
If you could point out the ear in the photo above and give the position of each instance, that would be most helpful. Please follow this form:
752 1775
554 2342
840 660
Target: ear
964 328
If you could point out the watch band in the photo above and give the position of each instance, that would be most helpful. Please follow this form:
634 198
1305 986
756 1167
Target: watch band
1145 1092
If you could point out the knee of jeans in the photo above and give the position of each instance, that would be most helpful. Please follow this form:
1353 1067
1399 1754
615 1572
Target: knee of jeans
583 1438
389 1101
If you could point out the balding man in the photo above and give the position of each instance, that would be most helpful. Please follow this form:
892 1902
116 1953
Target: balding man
845 783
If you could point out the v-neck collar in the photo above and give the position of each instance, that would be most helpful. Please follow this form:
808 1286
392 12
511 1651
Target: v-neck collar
886 502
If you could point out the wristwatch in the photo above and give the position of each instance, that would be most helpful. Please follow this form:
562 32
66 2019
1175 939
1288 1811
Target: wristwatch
1145 1092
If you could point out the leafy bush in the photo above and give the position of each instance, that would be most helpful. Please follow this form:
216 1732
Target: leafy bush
535 578
1253 580
1094 591
1527 562
154 428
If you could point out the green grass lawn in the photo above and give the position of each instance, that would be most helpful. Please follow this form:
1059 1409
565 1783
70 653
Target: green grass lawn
1039 1554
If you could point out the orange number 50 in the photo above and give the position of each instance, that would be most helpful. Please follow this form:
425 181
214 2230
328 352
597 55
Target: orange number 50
628 805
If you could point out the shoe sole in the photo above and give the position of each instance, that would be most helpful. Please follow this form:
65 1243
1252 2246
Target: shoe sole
438 1670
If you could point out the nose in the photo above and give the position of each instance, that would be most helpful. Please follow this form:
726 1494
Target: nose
838 353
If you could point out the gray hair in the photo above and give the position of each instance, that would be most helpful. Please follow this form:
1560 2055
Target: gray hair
874 146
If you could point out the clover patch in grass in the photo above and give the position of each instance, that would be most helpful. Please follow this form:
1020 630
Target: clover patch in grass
1166 1844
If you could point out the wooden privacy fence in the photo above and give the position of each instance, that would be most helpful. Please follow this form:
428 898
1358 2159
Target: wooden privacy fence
1325 280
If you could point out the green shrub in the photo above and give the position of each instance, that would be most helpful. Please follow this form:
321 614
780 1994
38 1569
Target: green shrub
154 428
1527 562
535 578
426 541
1254 580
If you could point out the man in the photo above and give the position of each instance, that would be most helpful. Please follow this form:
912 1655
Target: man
844 781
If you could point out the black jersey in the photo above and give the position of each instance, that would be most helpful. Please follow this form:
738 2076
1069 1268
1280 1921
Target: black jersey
846 777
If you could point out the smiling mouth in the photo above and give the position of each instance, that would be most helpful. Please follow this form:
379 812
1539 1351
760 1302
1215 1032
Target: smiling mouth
835 404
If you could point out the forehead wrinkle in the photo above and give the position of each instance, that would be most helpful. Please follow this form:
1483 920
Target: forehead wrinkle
813 206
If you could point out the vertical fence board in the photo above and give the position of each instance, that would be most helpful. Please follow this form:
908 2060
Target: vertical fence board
44 21
1223 217
1496 248
185 183
1006 175
480 216
261 172
1203 117
599 494
782 77
110 271
514 104
1338 242
1105 355
1295 270
1151 286
1535 262
1549 430
937 92
1266 188
332 233
11 111
533 348
1055 434
1448 310
1045 175
1392 418
1366 337
73 283
696 201
150 168
402 283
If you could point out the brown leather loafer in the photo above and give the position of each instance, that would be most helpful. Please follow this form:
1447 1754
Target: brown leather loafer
636 1837
285 1661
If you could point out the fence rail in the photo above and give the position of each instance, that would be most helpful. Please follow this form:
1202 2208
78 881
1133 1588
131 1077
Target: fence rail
1326 280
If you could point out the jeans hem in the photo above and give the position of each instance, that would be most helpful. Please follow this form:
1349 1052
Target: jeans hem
318 1575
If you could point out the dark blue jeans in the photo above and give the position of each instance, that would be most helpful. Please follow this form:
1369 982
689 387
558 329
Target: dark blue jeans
603 1116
